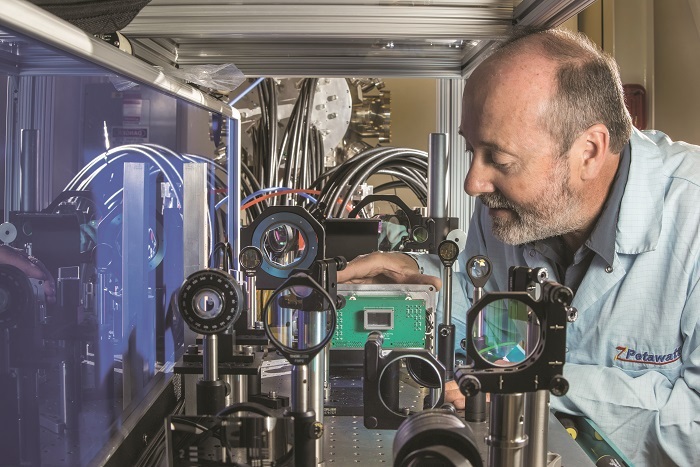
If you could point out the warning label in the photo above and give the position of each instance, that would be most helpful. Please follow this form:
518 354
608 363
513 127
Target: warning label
122 132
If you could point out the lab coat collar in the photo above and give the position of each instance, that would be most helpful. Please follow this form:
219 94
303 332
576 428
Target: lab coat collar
641 209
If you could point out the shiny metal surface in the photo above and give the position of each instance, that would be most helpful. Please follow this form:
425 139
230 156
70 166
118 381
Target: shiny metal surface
233 154
447 305
449 104
347 442
194 211
26 19
210 355
136 317
251 301
317 368
437 175
29 159
238 385
536 427
195 252
300 388
320 38
506 440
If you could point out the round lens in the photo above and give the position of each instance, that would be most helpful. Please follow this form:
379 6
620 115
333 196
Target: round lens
298 318
279 238
250 257
284 245
208 304
448 251
420 234
510 332
401 393
479 268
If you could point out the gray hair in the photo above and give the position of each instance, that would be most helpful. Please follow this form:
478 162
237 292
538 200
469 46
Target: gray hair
589 88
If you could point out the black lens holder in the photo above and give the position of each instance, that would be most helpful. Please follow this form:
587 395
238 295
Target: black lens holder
318 301
479 280
225 293
435 437
250 258
377 368
542 368
448 251
270 274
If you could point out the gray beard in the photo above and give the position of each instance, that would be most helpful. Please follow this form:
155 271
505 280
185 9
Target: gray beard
556 212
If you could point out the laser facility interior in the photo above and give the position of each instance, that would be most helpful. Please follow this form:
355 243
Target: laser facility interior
193 176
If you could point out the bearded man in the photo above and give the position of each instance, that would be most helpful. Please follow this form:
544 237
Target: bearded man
563 181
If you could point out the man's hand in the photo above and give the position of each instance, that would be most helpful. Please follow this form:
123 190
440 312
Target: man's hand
385 268
31 266
453 395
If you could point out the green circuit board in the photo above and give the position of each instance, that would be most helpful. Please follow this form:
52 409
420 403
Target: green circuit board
400 319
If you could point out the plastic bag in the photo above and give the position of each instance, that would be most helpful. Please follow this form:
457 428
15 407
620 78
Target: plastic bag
225 77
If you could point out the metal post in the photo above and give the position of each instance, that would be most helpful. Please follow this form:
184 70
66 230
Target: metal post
475 406
537 427
304 446
29 163
449 98
211 391
317 328
251 300
11 190
233 154
446 330
437 175
210 357
447 300
300 388
478 294
536 411
506 439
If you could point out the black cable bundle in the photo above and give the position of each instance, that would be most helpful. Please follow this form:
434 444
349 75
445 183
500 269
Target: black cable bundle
295 142
408 166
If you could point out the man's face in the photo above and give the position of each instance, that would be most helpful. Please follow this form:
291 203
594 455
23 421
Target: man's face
516 169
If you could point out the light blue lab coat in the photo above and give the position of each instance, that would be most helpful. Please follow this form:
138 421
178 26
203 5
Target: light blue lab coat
633 355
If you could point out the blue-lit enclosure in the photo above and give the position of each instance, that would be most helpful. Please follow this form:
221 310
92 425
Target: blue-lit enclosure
109 191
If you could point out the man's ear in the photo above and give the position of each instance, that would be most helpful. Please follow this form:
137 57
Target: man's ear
591 147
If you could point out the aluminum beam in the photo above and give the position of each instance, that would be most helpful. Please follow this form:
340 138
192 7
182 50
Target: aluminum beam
441 39
28 20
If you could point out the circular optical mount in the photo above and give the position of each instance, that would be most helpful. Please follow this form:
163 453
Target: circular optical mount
288 241
435 437
210 301
479 270
250 258
420 366
300 292
525 346
8 232
448 252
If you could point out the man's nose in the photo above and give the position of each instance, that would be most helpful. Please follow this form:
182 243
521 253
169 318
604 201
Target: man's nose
478 180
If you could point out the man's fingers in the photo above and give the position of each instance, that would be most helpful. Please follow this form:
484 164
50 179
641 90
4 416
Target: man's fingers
453 395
